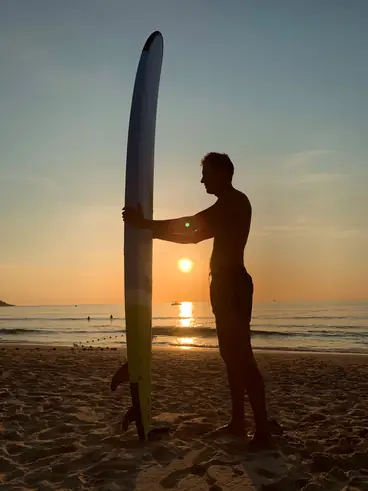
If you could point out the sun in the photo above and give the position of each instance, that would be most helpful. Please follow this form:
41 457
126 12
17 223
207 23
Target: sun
185 265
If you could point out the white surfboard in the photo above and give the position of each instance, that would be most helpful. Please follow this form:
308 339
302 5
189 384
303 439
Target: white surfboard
138 243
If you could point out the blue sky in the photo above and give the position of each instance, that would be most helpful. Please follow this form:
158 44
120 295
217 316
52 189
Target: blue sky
280 86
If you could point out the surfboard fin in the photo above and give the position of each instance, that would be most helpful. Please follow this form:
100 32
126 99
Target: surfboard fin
132 415
129 417
120 377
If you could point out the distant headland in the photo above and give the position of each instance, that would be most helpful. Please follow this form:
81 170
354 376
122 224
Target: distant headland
4 304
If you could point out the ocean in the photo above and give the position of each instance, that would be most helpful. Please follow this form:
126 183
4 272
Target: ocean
340 327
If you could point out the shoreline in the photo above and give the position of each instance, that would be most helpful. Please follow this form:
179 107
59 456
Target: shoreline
214 350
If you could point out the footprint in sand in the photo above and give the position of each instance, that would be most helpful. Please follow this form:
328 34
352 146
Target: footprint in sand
40 452
163 454
172 479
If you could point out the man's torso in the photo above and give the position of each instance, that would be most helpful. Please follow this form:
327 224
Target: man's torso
231 223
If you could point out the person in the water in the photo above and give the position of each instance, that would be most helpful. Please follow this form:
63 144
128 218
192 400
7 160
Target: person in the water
231 291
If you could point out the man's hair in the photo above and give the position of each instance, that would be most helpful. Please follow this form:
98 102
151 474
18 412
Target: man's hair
219 161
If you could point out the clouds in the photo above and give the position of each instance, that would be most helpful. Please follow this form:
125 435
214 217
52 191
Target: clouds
323 177
310 195
318 166
35 180
305 158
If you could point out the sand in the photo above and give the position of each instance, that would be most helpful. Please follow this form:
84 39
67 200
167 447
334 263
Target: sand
59 426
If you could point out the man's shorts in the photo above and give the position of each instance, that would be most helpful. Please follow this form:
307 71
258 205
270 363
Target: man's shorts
231 294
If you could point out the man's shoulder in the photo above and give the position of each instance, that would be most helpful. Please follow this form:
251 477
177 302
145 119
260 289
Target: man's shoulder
242 199
235 203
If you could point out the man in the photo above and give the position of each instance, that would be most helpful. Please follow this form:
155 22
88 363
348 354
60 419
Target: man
231 291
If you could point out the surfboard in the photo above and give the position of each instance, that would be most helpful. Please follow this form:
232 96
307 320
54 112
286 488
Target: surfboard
138 243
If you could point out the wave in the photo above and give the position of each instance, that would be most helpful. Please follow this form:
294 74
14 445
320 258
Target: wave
310 317
338 333
181 332
306 349
20 331
59 319
209 332
84 318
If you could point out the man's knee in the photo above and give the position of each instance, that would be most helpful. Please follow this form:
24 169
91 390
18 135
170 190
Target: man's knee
239 357
234 342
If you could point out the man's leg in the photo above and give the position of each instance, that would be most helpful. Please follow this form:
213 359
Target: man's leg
233 356
255 389
237 392
244 377
233 315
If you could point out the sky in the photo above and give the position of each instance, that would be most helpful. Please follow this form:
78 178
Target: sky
279 86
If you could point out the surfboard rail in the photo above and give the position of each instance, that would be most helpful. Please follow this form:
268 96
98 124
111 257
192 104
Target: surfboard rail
139 181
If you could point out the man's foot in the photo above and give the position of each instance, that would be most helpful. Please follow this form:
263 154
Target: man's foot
121 376
274 428
260 441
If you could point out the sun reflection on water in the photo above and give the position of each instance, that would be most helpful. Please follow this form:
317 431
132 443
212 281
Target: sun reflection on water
186 319
186 314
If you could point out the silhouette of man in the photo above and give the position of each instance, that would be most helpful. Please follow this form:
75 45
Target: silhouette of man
231 290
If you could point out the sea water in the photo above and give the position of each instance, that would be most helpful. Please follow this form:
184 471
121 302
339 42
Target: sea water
304 326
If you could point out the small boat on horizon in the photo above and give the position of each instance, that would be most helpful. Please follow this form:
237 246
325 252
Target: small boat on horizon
176 303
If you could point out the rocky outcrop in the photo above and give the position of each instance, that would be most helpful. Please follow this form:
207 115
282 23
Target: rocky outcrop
4 304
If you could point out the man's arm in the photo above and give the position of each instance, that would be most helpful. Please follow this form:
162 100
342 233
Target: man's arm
184 230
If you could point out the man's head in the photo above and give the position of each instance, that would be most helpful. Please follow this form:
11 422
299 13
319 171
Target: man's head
217 172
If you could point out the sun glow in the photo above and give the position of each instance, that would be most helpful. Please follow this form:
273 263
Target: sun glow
185 265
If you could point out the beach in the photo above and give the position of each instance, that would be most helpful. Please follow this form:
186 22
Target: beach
60 423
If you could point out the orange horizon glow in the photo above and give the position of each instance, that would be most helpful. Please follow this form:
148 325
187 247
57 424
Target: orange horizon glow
53 286
277 275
